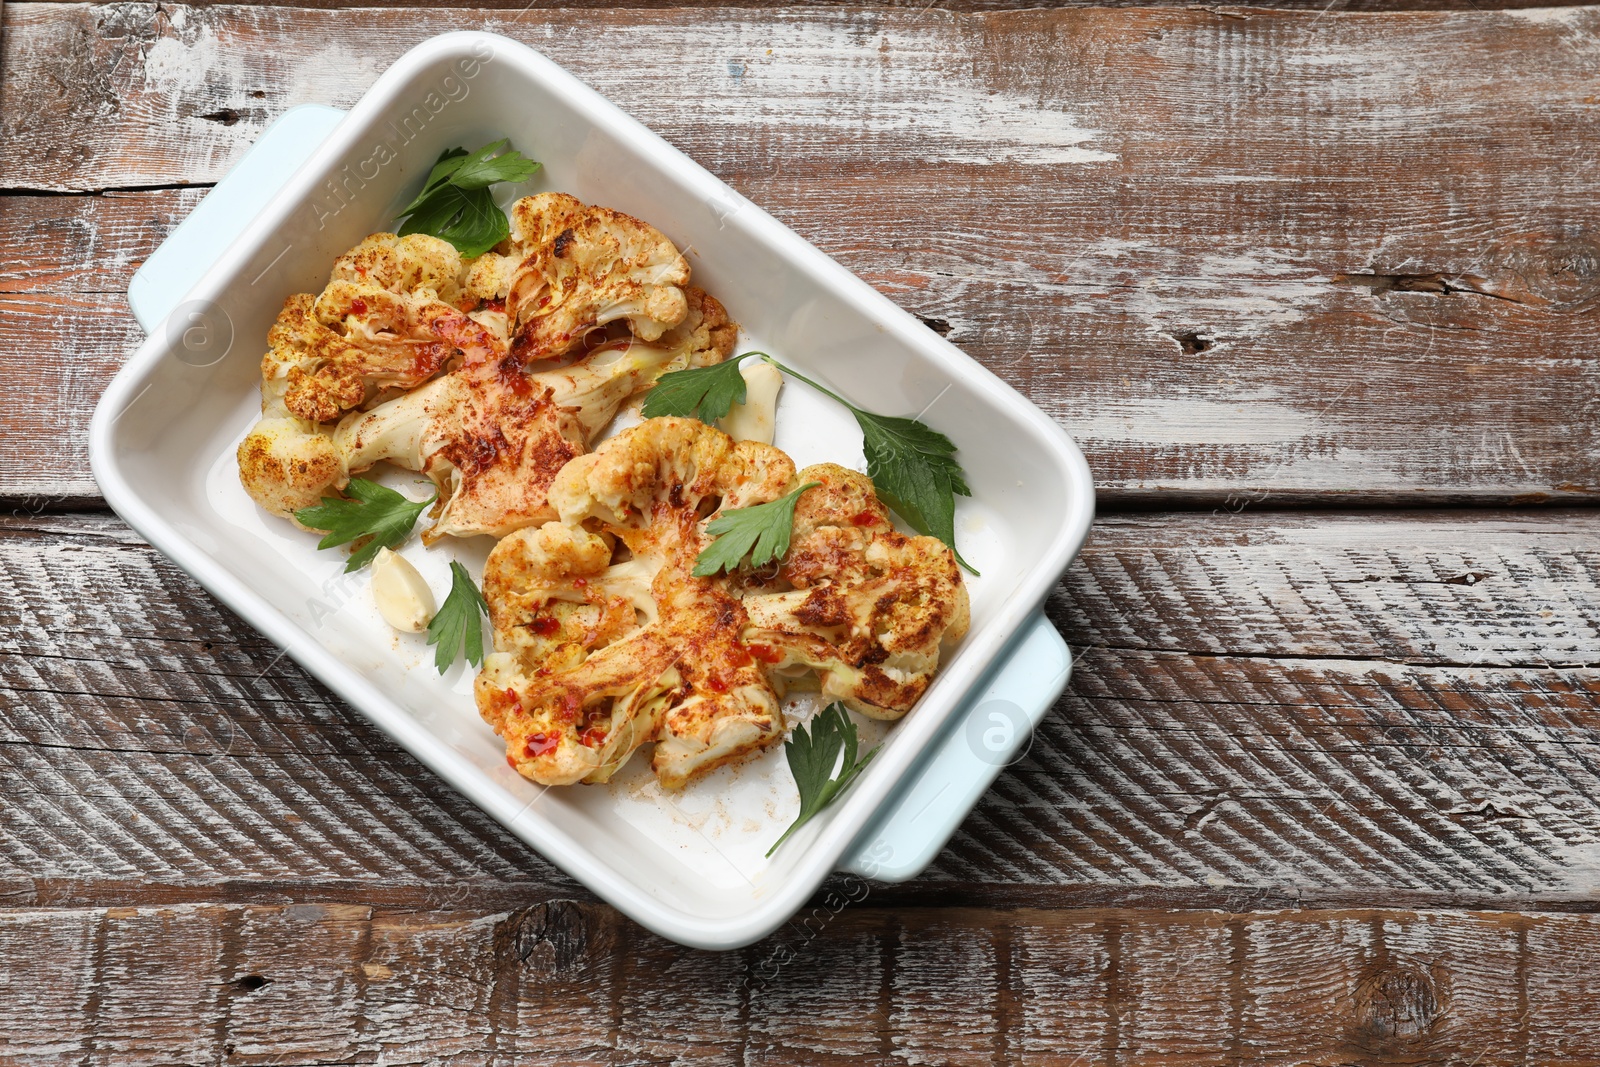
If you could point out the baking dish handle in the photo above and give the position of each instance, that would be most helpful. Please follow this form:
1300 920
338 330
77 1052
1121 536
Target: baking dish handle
991 732
994 730
163 280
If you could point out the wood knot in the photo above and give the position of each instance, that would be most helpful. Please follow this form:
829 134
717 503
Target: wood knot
558 937
1192 342
1547 268
1395 1007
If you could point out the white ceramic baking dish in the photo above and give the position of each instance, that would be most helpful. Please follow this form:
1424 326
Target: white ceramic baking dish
689 866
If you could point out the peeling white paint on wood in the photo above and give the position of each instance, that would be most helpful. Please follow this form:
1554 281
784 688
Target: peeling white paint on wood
1547 16
547 983
1181 420
818 77
1232 296
1134 302
175 65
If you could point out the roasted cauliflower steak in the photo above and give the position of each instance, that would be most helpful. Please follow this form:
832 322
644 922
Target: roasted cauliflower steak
596 655
866 607
407 356
606 641
386 321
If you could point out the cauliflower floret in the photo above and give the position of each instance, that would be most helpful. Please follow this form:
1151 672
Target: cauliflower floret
867 607
487 280
596 654
403 265
705 336
583 267
286 467
387 348
357 342
408 348
385 321
493 443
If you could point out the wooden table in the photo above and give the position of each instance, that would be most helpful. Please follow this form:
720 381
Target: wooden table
1316 291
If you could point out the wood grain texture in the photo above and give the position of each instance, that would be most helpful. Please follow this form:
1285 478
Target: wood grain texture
1299 256
1304 725
950 5
567 982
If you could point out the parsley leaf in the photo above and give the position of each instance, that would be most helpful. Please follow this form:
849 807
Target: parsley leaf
483 168
455 204
762 531
459 621
376 511
450 161
912 466
704 393
812 756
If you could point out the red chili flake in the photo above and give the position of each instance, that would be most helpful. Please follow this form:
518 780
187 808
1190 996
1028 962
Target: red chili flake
512 378
865 518
571 707
717 683
764 653
593 736
581 583
511 763
494 305
544 626
540 744
544 300
512 699
358 306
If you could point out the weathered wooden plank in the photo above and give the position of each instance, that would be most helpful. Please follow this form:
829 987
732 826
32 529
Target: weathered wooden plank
1439 589
1267 707
61 245
780 6
1302 256
561 983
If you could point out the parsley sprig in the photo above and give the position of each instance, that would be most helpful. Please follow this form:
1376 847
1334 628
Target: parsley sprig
458 622
813 754
912 465
376 512
704 393
761 531
455 203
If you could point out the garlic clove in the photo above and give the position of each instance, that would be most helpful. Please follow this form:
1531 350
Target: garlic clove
757 417
404 599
